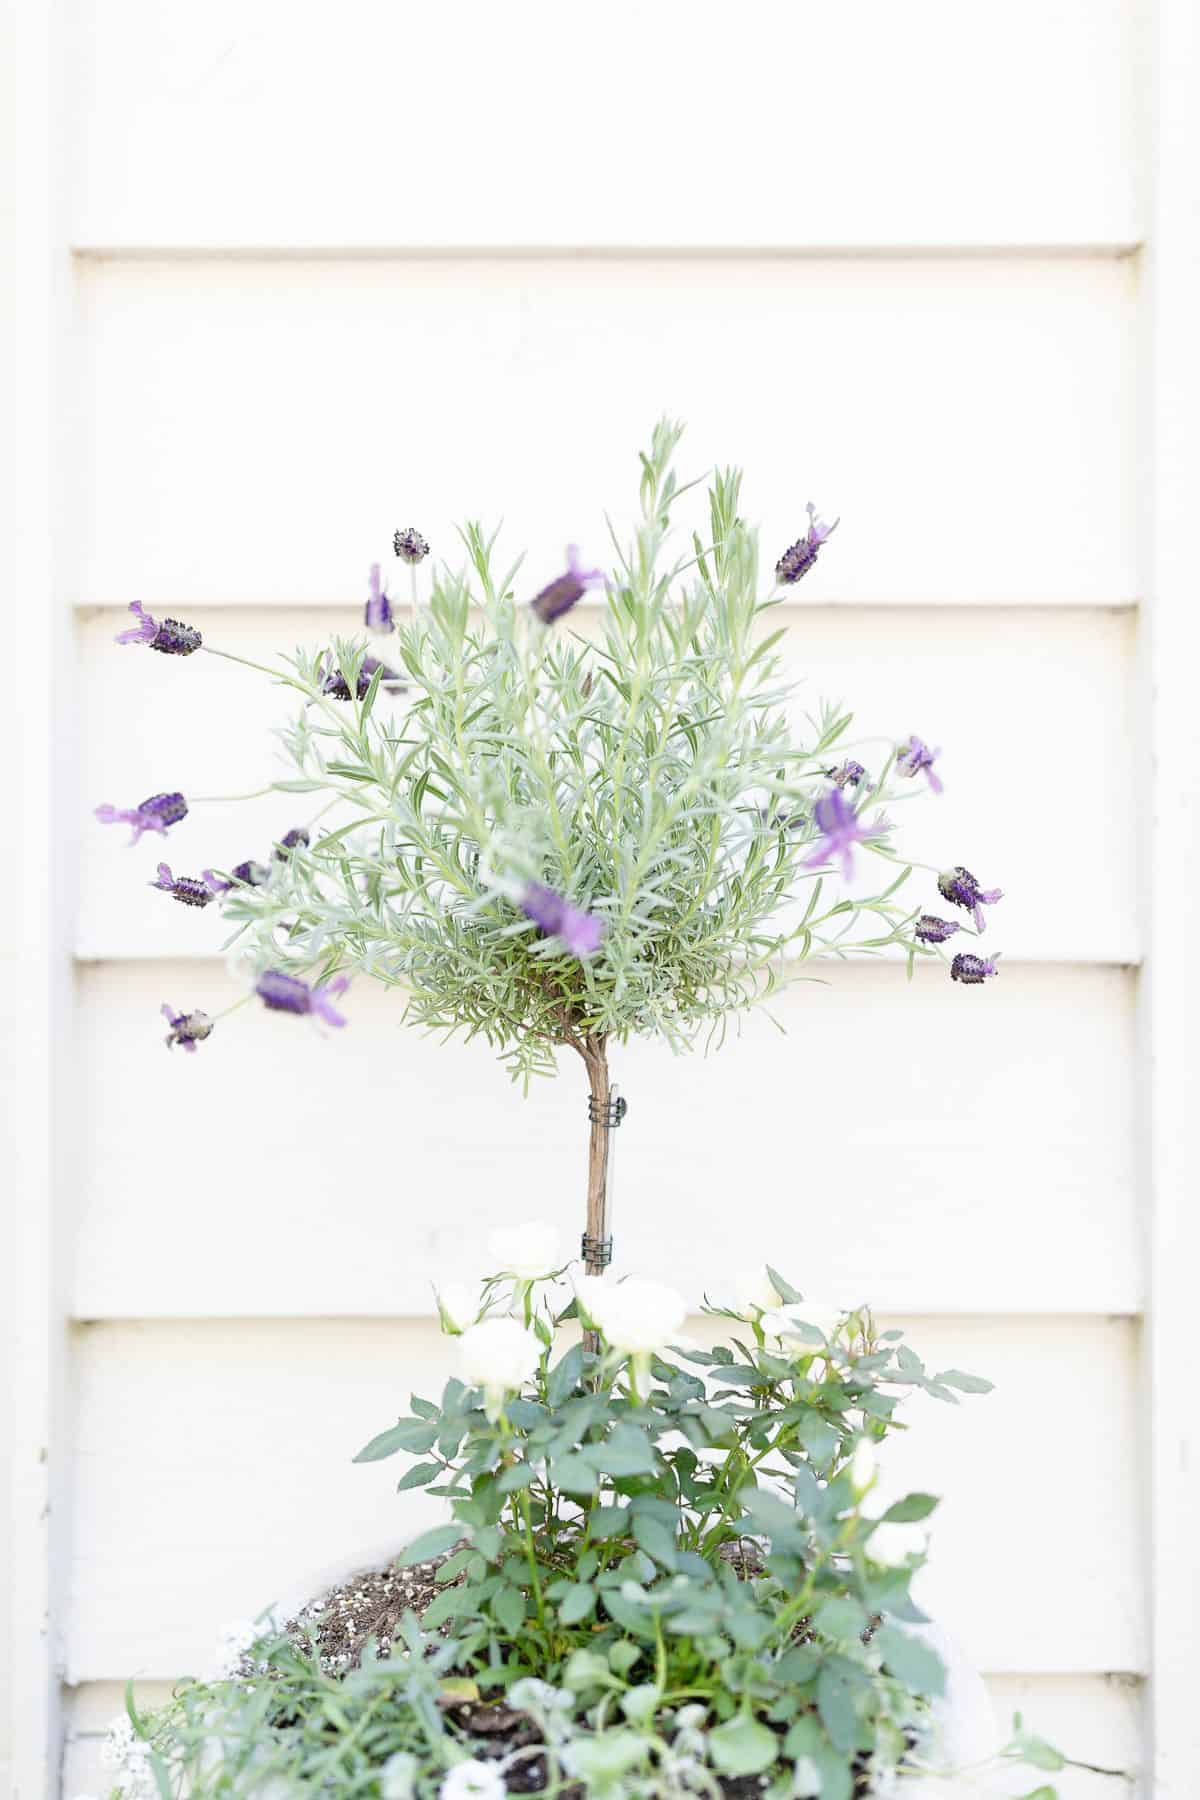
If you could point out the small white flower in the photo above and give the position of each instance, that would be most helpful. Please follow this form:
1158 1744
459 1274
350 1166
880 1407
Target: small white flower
890 1545
233 1645
781 1323
755 1292
498 1355
637 1317
458 1307
529 1252
806 1779
398 1778
864 1465
473 1780
119 1742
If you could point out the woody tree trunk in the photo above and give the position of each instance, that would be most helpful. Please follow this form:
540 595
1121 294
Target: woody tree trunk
595 1243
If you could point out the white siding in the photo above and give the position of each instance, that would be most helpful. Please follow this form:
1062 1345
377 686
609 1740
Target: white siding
435 261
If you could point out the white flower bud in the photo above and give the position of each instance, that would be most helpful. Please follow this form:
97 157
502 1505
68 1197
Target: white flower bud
864 1465
398 1778
498 1355
458 1307
781 1322
890 1545
754 1292
529 1252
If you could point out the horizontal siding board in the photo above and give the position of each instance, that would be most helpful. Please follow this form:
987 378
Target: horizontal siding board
460 125
1092 1716
1013 698
227 1514
991 1170
253 431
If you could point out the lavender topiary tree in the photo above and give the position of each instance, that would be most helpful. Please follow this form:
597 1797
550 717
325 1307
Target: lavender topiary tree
559 841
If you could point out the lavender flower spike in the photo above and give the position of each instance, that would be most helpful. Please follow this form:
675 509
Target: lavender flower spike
154 814
188 1029
378 616
410 546
960 887
253 874
188 889
335 684
172 637
296 838
972 970
849 774
799 559
929 929
916 756
581 932
841 829
287 993
567 590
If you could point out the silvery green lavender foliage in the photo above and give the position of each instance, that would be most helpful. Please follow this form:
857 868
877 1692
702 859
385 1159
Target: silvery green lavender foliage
546 840
669 1571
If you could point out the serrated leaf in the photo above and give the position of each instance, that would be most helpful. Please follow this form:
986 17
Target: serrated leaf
652 1536
576 1604
836 1688
430 1544
565 1376
966 1384
910 1660
911 1509
420 1475
508 1607
509 1481
413 1435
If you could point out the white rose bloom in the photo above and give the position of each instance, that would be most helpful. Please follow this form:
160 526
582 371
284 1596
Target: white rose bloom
473 1781
864 1465
780 1322
529 1251
458 1307
890 1545
637 1317
754 1292
497 1355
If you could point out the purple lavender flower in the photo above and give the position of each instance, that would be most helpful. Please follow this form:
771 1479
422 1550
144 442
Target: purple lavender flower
379 608
799 559
287 993
841 829
335 685
171 637
580 931
188 1029
154 814
190 890
290 841
566 590
916 756
849 774
410 546
960 887
252 874
929 929
971 969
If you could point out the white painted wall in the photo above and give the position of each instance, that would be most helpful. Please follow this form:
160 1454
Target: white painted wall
444 260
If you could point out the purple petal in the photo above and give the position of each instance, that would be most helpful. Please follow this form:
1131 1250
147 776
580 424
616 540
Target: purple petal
143 632
322 999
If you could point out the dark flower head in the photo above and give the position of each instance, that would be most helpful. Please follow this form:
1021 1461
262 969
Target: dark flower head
154 814
840 828
410 546
252 874
335 685
850 774
581 932
916 757
564 592
171 637
290 840
960 887
929 929
190 890
799 559
188 1029
287 993
379 608
973 970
